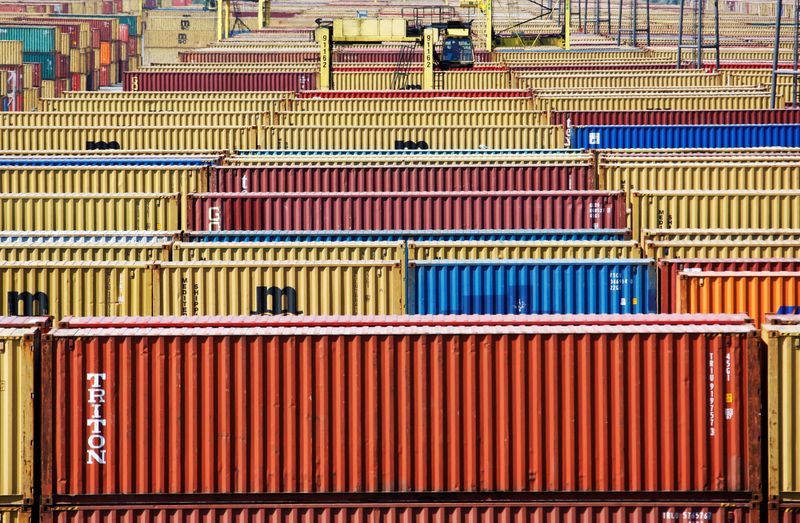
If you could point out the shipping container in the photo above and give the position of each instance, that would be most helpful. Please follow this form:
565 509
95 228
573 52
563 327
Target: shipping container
87 237
286 251
719 249
667 117
752 292
784 513
414 104
669 270
90 212
38 288
520 250
418 118
11 514
783 412
157 103
739 235
19 348
280 287
405 178
84 252
434 512
387 235
558 286
689 136
218 81
405 211
371 410
133 119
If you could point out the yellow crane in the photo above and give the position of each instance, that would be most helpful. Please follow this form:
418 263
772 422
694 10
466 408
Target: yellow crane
492 39
224 16
454 37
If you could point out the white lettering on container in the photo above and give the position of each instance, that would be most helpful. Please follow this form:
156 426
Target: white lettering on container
96 442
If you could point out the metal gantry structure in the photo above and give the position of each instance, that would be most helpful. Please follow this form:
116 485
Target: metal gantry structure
633 6
697 20
226 7
776 65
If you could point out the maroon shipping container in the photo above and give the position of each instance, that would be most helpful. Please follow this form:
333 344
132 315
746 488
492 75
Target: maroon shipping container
402 178
406 211
669 269
218 81
492 320
784 513
665 117
464 512
498 93
598 410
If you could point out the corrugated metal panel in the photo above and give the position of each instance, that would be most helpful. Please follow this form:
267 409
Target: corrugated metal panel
83 252
280 287
409 211
136 119
90 212
634 100
668 271
714 210
666 117
374 236
441 512
696 136
520 250
420 118
783 412
90 237
15 515
754 293
218 81
158 103
418 104
279 251
61 288
17 378
739 235
405 178
373 410
722 249
532 287
784 513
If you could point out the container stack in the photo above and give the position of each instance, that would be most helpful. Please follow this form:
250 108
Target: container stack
562 286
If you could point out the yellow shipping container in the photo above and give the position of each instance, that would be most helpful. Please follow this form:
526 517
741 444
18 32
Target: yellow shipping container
739 235
714 210
15 515
84 252
181 95
123 138
419 118
180 39
90 212
520 250
132 119
754 293
162 105
722 249
451 80
18 348
288 287
413 137
395 105
639 101
77 288
610 79
286 251
783 412
10 52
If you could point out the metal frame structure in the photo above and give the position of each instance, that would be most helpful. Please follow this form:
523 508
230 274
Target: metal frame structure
776 70
699 45
224 16
634 30
486 7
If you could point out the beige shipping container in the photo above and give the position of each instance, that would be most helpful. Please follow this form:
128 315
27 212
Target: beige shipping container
611 79
90 288
714 210
395 105
739 235
84 252
90 212
123 138
10 52
451 80
722 249
17 376
418 118
640 101
783 412
160 105
280 287
413 137
132 119
521 250
180 95
181 39
286 251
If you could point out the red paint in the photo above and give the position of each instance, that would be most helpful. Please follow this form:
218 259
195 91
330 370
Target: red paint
668 270
402 178
679 117
406 211
507 93
218 81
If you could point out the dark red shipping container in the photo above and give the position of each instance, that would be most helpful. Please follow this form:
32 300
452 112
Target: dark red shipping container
207 81
498 93
464 512
664 117
406 211
402 178
671 411
668 270
784 513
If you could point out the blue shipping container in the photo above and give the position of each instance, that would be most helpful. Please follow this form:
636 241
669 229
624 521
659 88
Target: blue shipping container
684 136
532 287
373 236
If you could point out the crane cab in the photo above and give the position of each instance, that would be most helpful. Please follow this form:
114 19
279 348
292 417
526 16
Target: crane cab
457 51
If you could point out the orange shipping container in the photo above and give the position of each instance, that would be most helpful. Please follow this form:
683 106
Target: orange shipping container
559 409
754 293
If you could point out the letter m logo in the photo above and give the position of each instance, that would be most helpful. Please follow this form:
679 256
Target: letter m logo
36 304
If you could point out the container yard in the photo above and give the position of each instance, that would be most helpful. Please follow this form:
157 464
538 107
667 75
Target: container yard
421 261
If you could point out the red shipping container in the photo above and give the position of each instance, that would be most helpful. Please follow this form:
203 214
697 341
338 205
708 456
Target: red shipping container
402 178
784 513
499 93
597 410
406 211
37 74
105 76
492 320
441 512
669 269
216 81
664 117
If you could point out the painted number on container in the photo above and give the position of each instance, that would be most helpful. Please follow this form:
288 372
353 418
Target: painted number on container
33 304
96 440
102 146
686 516
134 83
276 300
214 219
410 145
182 39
